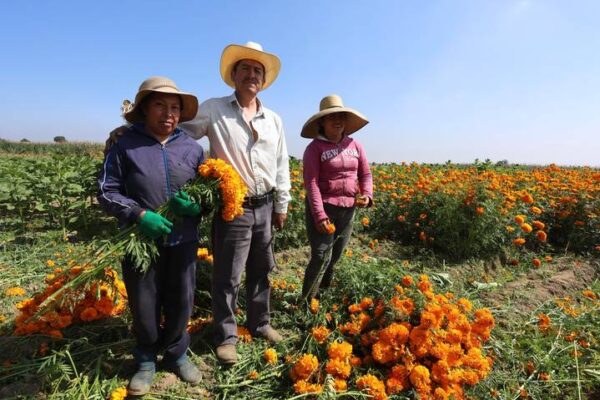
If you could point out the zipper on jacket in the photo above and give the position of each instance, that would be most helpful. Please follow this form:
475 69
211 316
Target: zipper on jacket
163 149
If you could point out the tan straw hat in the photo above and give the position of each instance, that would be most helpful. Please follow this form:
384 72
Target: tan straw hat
160 84
250 51
329 105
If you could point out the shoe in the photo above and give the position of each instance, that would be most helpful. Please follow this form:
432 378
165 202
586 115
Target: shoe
269 333
186 370
227 354
141 381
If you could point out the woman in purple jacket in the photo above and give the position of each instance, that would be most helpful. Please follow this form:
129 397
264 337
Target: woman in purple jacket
146 168
337 178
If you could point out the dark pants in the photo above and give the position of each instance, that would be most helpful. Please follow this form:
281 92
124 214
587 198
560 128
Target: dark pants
325 250
242 244
166 289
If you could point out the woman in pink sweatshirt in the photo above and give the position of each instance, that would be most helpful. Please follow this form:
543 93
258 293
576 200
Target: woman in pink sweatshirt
337 179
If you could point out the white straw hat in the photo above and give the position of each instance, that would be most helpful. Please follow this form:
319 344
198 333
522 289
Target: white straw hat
250 51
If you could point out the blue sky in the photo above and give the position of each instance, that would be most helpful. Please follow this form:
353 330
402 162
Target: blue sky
439 80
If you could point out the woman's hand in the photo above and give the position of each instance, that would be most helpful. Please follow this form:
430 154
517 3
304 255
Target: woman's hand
361 200
325 227
183 205
154 225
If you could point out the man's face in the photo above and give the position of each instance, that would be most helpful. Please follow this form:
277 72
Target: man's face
249 75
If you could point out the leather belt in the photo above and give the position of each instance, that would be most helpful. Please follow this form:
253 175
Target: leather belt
260 200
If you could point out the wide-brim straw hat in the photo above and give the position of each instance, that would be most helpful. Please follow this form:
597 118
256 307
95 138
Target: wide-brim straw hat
160 84
329 105
250 51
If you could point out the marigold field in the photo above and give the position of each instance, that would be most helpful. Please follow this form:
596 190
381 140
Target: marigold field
475 281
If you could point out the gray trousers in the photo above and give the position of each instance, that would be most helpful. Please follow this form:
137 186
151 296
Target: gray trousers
325 250
244 243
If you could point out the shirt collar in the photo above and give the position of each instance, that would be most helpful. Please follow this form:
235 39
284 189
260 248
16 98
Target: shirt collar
233 100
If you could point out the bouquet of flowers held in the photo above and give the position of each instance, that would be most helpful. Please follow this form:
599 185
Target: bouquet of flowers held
216 187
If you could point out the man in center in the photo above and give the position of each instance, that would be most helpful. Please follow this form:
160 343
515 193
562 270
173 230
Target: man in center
250 137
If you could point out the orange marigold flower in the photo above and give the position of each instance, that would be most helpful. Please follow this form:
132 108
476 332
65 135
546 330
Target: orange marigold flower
244 334
543 322
536 210
589 294
536 262
519 241
50 263
544 376
304 367
401 218
354 308
314 305
270 356
519 219
372 385
253 374
14 291
338 368
320 333
407 280
330 228
538 225
89 314
420 379
527 198
119 393
364 221
541 236
302 386
340 385
525 227
340 350
366 303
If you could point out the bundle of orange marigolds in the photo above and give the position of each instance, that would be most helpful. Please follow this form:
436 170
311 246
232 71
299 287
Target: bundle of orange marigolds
416 340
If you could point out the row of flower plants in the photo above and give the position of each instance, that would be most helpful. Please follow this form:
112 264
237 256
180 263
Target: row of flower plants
455 211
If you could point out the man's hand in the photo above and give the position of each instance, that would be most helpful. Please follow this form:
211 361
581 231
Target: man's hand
279 220
113 137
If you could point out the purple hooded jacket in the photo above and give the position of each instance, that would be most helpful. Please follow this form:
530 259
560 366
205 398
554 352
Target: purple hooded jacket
335 173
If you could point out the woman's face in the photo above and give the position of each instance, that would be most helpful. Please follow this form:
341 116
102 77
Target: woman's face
162 111
334 125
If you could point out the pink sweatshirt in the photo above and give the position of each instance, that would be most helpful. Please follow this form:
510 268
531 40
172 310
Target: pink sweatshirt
334 173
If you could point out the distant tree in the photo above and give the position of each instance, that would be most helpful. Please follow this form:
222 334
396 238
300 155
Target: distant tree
25 140
502 163
60 139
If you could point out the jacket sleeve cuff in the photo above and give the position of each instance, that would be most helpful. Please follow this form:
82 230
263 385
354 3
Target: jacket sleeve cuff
134 212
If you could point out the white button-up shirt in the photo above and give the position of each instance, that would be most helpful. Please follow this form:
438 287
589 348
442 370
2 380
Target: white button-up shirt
262 164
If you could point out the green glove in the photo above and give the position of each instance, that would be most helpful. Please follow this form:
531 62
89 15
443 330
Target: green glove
154 225
182 204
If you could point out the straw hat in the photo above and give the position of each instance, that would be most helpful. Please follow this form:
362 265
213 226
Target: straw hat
161 84
250 51
329 105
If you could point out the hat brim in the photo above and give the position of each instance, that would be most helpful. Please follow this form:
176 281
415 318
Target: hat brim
234 53
189 106
354 121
